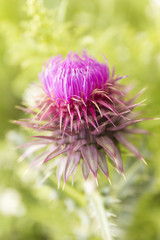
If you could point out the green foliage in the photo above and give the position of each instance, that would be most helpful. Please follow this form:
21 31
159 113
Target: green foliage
31 31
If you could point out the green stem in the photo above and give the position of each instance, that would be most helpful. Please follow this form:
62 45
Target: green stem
98 205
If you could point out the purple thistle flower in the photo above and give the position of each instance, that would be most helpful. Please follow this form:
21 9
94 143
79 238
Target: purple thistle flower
86 113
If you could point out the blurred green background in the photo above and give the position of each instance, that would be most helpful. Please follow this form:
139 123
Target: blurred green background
127 32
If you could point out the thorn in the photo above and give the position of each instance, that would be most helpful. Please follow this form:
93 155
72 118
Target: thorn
72 182
144 161
109 181
58 184
68 107
117 170
156 118
83 102
63 186
124 176
96 181
144 100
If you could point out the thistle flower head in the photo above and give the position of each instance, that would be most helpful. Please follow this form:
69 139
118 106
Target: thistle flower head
74 77
85 113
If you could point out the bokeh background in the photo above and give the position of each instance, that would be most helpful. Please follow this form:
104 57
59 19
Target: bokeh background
128 33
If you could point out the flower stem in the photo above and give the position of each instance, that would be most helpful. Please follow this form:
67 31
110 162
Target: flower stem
96 199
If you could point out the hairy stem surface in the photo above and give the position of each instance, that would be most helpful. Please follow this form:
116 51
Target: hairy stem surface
96 199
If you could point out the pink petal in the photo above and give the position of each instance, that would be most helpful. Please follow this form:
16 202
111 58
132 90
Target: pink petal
112 151
130 146
107 105
93 114
38 159
50 138
66 123
29 151
85 170
85 114
90 156
35 142
102 163
59 150
124 125
61 168
136 131
76 145
71 164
